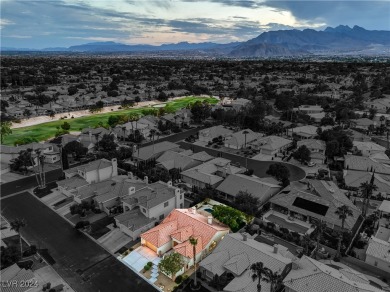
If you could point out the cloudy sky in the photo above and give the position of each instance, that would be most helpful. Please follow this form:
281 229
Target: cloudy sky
62 23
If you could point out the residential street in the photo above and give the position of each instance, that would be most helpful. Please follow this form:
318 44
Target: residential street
81 262
27 183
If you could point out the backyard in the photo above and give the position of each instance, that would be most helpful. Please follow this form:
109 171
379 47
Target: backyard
48 130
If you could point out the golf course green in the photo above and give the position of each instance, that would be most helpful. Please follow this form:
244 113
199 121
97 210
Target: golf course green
48 130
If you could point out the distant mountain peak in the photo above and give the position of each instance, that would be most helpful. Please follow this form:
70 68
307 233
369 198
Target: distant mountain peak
340 28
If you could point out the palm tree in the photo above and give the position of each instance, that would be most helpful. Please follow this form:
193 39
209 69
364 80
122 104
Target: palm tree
194 242
367 189
343 212
124 132
260 273
245 133
320 227
306 241
382 119
275 280
16 225
151 135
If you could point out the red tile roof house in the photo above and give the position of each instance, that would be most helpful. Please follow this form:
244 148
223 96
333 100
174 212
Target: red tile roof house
175 230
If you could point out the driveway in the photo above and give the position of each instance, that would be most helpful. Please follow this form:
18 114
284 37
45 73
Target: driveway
80 262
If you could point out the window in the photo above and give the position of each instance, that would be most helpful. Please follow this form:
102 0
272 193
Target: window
181 197
161 217
376 263
166 204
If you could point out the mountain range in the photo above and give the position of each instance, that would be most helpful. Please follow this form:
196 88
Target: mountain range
341 40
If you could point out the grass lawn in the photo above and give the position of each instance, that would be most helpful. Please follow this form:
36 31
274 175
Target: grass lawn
46 131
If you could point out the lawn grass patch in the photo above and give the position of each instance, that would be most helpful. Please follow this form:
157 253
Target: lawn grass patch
48 130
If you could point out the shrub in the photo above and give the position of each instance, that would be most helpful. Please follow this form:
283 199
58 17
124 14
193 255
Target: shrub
150 264
147 268
81 224
179 279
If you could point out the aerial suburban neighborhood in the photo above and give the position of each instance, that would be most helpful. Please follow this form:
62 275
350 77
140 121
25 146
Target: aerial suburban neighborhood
258 165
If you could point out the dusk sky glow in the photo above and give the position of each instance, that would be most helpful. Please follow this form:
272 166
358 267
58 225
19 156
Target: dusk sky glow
63 23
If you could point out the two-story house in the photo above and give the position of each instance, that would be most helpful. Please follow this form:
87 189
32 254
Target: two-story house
146 205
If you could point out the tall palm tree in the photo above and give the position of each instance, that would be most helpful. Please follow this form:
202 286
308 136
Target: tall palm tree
194 242
16 225
367 189
275 280
245 133
151 135
124 132
320 227
259 273
343 212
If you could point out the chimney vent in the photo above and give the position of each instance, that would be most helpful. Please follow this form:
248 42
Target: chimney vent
146 180
210 220
130 175
244 237
276 248
193 210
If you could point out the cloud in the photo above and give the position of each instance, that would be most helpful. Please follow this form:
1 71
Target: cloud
47 23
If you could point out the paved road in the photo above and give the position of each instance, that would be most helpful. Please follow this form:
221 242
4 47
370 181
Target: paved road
27 183
259 167
80 261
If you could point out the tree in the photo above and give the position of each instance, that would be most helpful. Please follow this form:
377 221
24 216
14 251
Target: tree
171 264
162 96
17 225
247 203
65 126
245 133
260 273
9 256
280 172
107 143
40 174
332 148
22 161
27 113
302 154
5 129
194 243
76 149
113 121
137 99
229 216
24 141
275 280
306 241
343 211
200 111
367 189
320 227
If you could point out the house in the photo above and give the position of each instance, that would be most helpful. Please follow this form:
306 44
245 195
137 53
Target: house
361 163
384 208
382 105
15 279
304 132
354 178
316 112
207 135
50 151
145 206
378 250
271 145
308 275
210 173
241 139
174 232
315 200
317 149
239 103
258 188
153 151
368 148
363 123
180 160
123 131
235 254
94 171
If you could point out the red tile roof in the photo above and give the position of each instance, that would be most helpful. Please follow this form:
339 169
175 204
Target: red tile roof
181 224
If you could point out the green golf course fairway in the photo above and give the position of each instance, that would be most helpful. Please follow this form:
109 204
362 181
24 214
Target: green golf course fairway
48 130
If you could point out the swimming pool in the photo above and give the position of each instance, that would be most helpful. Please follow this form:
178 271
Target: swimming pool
208 210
